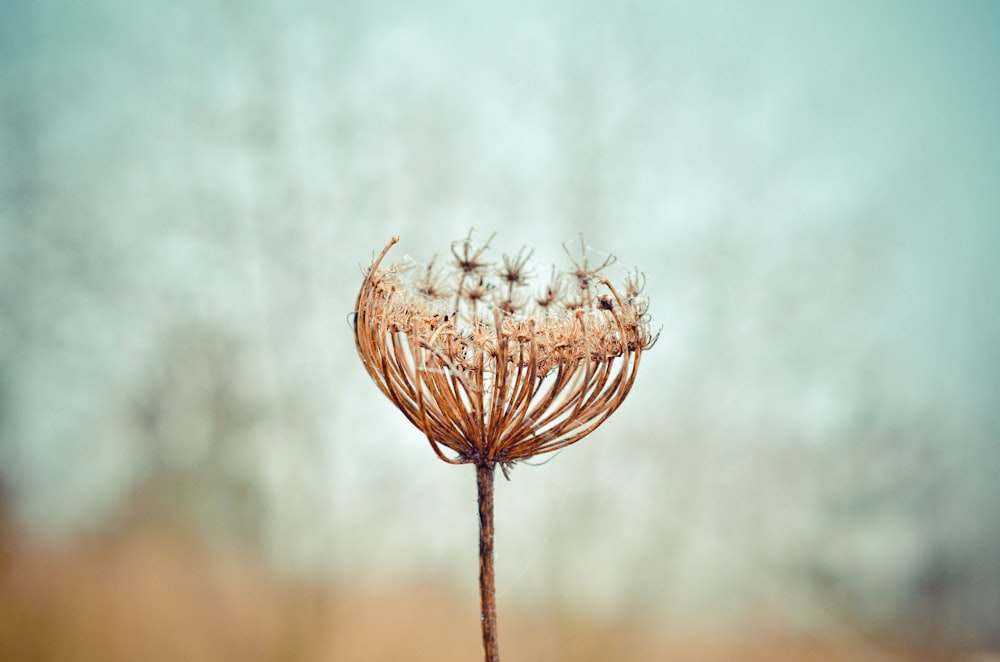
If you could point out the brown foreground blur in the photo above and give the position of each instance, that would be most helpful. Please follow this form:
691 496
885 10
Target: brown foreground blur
152 596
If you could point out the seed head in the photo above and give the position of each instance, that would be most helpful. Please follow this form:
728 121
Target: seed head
494 375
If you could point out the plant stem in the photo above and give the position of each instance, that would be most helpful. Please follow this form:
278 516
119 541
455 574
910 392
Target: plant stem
487 593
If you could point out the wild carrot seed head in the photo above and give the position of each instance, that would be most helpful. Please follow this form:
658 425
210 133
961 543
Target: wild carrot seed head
486 370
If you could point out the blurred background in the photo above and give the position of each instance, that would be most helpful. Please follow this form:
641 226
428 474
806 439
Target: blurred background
194 464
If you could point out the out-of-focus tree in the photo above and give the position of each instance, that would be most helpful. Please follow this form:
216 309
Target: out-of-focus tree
192 418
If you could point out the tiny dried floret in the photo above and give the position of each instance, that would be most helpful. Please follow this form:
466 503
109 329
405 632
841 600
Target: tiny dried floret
468 260
431 283
514 272
584 273
488 372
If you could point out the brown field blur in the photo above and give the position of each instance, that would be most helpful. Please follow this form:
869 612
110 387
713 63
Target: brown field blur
154 596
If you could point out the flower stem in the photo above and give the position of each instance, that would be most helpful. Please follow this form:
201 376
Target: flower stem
487 593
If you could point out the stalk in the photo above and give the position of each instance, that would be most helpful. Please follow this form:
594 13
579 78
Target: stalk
487 592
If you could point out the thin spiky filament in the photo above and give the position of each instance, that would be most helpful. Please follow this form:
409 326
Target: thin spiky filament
491 382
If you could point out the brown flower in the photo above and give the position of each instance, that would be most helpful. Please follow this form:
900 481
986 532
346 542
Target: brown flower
489 372
494 375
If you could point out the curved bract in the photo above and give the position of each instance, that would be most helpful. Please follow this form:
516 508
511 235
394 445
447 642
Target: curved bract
490 373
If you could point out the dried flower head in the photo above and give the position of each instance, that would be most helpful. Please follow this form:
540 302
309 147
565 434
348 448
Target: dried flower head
490 372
